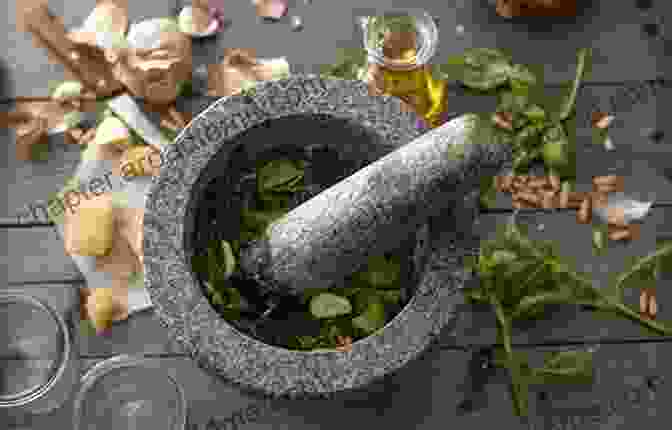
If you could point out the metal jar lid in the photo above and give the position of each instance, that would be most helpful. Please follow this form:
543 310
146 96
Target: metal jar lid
35 352
127 393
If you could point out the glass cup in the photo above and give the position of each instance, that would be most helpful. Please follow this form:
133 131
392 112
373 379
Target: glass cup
427 40
128 393
37 364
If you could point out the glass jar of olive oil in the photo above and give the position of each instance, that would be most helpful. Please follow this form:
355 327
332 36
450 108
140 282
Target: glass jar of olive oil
399 46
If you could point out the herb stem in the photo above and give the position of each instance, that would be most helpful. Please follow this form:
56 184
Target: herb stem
519 398
624 310
642 263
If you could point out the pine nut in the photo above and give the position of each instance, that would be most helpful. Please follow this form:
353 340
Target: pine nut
583 216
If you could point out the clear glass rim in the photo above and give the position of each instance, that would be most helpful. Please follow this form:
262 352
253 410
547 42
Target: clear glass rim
105 367
426 51
32 394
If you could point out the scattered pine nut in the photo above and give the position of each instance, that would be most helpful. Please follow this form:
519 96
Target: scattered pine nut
502 120
616 217
555 182
583 216
619 233
538 182
653 306
602 120
530 198
550 200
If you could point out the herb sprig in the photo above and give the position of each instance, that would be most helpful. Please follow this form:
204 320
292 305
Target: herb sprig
538 127
519 278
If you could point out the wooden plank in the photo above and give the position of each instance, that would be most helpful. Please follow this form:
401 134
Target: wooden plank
630 387
35 255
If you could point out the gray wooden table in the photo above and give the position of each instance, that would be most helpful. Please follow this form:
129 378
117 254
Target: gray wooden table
632 380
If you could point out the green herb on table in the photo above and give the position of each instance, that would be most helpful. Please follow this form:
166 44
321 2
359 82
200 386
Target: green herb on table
351 64
538 128
354 310
519 278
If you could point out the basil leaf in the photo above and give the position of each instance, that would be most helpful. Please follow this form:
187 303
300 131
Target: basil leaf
522 78
229 259
310 293
555 149
348 65
372 319
488 192
381 272
327 305
276 174
390 296
259 220
481 69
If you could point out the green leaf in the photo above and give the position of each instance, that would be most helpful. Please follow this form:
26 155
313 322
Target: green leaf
276 174
556 150
348 65
257 221
508 101
535 113
599 239
185 89
481 69
372 319
327 305
488 191
568 100
664 261
229 259
522 78
573 367
642 272
475 295
381 272
308 294
391 297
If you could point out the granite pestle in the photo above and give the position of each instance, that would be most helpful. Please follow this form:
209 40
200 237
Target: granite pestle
330 236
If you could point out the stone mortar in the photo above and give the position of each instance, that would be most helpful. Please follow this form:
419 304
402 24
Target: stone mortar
251 364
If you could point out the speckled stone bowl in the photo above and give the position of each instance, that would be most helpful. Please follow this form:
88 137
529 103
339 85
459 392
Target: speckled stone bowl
222 349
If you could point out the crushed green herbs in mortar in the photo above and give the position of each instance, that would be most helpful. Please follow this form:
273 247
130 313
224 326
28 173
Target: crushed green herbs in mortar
370 299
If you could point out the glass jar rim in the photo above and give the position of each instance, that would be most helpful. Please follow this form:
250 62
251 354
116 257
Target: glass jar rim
33 394
425 23
105 367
